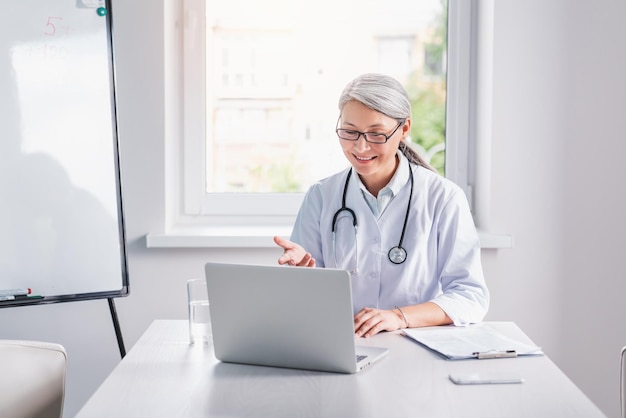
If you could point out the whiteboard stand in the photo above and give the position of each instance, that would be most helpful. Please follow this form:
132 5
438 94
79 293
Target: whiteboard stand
112 309
116 326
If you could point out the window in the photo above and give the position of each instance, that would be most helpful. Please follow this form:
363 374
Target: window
261 91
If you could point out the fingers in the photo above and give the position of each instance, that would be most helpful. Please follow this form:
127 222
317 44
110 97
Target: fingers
286 259
363 321
282 242
369 321
291 259
306 261
297 258
290 255
294 254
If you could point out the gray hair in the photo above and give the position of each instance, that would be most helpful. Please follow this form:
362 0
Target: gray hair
379 92
385 95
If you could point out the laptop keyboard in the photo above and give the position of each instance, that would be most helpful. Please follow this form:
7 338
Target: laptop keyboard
360 357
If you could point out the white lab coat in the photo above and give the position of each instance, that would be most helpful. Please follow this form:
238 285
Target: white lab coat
443 263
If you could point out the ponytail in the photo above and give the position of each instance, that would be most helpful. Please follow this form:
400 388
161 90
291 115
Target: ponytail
413 156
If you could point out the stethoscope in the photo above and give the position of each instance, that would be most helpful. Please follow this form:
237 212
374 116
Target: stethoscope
397 254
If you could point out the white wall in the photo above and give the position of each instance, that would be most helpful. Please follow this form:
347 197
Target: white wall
558 183
557 188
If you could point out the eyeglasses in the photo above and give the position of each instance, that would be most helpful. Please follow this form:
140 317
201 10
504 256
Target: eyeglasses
371 137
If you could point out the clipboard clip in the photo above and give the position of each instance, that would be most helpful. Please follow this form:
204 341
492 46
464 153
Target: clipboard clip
494 354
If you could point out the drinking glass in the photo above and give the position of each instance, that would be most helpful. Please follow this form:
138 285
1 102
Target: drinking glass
199 315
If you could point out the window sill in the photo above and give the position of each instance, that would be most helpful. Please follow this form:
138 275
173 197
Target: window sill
262 237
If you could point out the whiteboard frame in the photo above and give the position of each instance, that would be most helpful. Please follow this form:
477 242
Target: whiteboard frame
125 288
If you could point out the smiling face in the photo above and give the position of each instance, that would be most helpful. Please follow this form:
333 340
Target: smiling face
375 163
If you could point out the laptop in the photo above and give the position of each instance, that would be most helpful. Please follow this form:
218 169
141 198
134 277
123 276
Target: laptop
281 316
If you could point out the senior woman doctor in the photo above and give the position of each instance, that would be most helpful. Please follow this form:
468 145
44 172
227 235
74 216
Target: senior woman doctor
404 232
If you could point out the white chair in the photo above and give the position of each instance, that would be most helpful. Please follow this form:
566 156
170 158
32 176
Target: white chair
32 379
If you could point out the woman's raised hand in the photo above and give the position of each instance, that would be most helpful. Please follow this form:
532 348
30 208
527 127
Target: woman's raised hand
294 254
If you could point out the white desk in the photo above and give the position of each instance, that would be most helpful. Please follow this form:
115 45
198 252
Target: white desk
163 376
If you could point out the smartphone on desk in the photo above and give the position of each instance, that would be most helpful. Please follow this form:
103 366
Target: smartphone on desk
485 378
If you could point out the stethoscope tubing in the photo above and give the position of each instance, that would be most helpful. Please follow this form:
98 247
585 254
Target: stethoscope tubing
397 254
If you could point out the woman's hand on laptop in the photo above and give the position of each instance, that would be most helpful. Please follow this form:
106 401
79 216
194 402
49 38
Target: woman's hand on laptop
294 254
370 321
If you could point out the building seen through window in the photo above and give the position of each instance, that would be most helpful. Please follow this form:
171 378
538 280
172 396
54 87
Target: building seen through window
274 75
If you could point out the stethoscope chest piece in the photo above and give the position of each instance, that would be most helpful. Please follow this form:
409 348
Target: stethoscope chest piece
397 255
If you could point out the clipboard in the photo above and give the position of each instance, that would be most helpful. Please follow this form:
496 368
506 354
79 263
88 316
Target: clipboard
477 341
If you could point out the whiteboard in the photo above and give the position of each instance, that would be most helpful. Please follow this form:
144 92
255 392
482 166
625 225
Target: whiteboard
61 224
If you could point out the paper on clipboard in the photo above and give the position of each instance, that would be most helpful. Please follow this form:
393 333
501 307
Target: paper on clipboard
473 341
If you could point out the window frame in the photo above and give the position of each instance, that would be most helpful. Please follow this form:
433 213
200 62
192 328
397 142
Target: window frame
193 213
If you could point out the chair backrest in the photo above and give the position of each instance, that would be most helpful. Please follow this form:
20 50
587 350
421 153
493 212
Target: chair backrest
32 379
622 382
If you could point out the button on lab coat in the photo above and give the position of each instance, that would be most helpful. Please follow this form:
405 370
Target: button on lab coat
443 252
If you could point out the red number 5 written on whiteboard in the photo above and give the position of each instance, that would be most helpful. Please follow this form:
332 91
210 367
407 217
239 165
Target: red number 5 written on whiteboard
51 28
